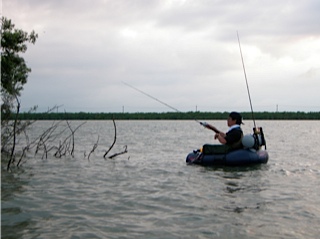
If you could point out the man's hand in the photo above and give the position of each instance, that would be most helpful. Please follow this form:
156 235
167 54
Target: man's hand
204 124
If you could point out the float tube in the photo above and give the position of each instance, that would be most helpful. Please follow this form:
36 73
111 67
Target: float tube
222 155
241 157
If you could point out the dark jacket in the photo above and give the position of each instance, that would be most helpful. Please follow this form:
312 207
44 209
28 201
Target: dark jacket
233 138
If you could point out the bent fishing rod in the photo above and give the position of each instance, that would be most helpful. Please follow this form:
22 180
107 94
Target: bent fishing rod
171 107
245 76
150 96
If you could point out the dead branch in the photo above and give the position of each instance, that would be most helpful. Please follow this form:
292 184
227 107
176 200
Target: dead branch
46 136
45 142
117 154
58 153
114 139
18 127
11 160
68 142
94 148
72 135
22 155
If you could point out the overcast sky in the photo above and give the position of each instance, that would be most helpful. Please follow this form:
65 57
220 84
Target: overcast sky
182 52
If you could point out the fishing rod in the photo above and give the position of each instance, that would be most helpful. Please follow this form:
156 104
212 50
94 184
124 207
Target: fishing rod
245 76
150 96
258 132
171 107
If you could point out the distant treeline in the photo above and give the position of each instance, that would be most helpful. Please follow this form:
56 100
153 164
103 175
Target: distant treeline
169 116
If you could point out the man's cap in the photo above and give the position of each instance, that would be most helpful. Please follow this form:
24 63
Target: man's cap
236 116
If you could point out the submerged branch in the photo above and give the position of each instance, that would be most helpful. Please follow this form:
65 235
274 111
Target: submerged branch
94 148
114 139
72 136
11 160
56 140
117 154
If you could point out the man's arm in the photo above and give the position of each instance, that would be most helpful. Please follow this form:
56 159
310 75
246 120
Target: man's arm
209 126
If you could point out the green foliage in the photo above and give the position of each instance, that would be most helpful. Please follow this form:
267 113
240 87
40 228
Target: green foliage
14 74
170 116
14 71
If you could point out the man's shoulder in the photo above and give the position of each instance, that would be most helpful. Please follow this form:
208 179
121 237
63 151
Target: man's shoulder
236 129
236 132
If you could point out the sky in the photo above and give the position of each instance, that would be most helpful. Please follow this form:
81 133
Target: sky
185 53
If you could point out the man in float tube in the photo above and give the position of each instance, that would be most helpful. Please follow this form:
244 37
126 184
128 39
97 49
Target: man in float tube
234 135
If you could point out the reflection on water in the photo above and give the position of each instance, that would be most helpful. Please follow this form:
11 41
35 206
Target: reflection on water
155 194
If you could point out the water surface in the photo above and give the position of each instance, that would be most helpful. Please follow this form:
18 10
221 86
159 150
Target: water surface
151 193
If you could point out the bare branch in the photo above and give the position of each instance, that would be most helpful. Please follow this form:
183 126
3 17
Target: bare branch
117 154
114 140
94 148
14 134
72 134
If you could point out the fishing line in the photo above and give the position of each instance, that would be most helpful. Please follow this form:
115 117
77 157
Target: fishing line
245 76
154 98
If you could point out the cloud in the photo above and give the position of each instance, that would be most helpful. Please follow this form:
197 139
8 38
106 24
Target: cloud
183 52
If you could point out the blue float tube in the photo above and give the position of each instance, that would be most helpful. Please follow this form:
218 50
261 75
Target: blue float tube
241 157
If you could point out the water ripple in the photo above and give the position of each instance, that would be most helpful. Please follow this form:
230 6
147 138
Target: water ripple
155 194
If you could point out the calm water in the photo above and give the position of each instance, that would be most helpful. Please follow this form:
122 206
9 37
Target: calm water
151 193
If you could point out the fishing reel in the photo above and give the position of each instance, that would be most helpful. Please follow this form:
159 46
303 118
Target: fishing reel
255 140
259 138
